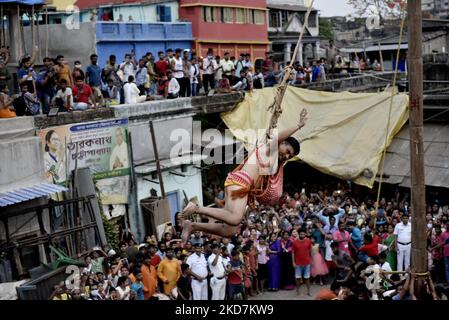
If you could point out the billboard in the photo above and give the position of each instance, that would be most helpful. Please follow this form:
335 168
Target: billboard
101 146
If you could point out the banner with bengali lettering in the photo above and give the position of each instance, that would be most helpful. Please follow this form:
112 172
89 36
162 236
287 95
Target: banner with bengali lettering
101 146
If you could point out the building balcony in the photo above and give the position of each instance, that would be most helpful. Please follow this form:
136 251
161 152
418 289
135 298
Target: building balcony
116 31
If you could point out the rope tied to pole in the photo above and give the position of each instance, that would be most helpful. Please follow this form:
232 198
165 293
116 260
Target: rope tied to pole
276 106
393 93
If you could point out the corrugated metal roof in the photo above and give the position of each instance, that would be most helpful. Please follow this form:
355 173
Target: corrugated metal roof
436 158
29 193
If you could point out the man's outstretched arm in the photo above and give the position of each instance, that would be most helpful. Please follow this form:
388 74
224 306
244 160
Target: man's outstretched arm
283 135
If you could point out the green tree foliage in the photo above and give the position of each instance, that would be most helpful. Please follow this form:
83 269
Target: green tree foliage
111 230
326 29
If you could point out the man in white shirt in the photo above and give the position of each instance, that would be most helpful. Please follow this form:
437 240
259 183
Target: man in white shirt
229 246
64 97
173 86
226 65
403 241
210 67
247 62
217 268
128 67
177 66
132 92
198 270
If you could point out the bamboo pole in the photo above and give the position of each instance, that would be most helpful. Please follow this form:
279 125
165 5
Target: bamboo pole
275 107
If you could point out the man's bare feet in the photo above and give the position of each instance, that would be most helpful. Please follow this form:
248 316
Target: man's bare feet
186 230
190 209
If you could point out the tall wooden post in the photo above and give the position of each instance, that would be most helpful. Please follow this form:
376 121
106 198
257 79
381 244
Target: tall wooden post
158 163
418 197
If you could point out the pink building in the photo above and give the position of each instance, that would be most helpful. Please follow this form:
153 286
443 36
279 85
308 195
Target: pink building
233 26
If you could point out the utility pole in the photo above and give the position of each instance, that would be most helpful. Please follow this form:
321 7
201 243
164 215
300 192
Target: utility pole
418 196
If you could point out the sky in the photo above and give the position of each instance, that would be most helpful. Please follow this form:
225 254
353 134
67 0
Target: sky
329 8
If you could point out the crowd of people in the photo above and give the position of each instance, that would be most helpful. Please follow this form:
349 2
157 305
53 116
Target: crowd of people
172 74
169 75
328 236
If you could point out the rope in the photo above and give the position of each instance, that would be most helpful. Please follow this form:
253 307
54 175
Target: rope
393 93
276 105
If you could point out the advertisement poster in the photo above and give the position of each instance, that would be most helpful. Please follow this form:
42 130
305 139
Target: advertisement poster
101 146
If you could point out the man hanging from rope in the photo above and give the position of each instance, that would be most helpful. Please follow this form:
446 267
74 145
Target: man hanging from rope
254 179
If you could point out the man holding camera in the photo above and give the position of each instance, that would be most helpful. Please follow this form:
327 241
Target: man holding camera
45 84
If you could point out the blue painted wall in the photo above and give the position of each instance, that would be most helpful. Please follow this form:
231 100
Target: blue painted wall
121 38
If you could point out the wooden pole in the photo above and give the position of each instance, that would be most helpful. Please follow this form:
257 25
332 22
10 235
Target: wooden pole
418 196
381 57
156 156
46 31
2 30
33 43
19 42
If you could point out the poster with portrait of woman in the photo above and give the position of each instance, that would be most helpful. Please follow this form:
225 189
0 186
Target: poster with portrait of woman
101 146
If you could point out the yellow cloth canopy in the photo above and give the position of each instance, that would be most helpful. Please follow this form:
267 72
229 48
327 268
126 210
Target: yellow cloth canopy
345 132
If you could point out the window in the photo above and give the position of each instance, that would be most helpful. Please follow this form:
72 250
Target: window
284 18
250 14
274 19
209 14
227 15
312 20
259 17
240 15
163 13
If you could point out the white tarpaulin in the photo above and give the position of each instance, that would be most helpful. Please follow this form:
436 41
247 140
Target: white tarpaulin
345 132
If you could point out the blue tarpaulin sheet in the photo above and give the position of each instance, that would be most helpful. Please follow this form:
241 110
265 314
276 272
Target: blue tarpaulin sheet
26 2
29 193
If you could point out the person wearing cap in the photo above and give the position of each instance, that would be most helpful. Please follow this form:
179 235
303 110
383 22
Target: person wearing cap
198 270
403 242
169 271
